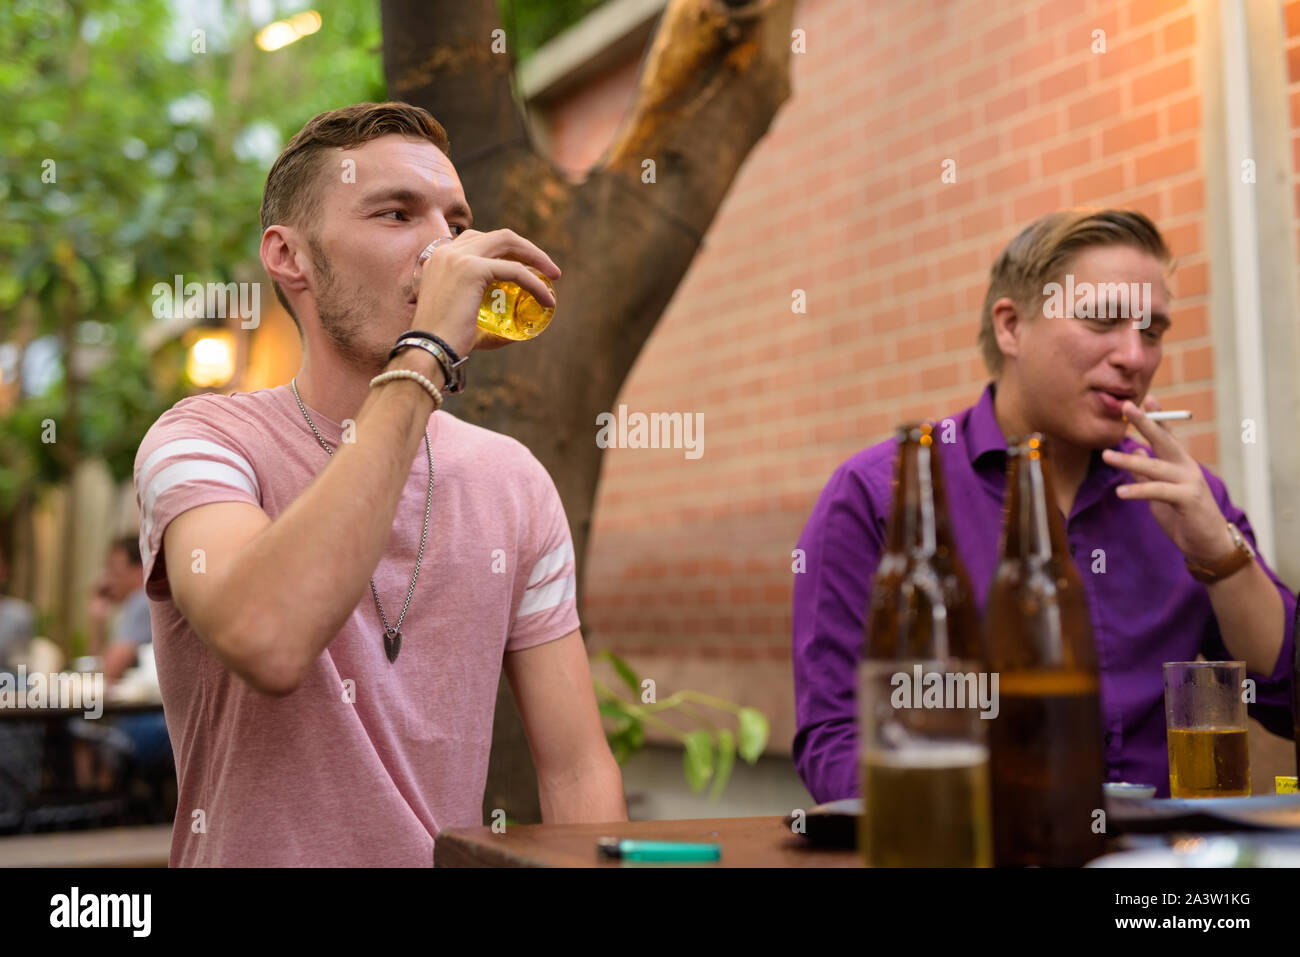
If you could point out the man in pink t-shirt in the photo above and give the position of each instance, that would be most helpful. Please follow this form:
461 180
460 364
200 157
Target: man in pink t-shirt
329 705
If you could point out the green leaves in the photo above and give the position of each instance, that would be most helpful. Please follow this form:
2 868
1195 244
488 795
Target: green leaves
709 753
698 759
726 761
119 170
624 672
628 734
753 733
110 183
709 759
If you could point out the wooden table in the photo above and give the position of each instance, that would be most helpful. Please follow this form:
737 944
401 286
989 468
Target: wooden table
148 846
745 841
111 709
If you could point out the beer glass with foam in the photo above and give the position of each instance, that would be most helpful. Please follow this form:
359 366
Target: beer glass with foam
924 763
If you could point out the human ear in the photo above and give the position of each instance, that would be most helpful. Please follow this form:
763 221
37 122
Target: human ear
1008 322
282 256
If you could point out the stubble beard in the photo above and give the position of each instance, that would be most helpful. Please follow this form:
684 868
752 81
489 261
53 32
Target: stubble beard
344 318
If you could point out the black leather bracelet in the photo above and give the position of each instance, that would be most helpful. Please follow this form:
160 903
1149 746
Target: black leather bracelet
452 371
417 332
455 357
452 382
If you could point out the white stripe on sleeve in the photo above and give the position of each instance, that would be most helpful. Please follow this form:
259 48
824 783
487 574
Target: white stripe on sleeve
551 563
190 446
547 596
189 471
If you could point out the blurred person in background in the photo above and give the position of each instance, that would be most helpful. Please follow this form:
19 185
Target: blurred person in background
118 640
20 742
17 621
120 586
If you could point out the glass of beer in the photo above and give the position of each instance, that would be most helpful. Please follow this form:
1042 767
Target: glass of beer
924 765
1205 720
508 310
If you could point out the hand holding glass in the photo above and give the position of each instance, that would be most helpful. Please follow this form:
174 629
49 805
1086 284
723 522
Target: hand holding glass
507 310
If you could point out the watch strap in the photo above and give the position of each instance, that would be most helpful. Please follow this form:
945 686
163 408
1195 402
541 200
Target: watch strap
1210 572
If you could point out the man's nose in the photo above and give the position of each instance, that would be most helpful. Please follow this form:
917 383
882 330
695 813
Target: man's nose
439 230
1129 351
438 227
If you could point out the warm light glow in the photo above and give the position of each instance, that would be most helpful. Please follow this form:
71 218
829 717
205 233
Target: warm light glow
281 33
306 22
211 360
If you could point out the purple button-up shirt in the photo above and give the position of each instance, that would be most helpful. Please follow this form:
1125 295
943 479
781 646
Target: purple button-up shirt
1146 608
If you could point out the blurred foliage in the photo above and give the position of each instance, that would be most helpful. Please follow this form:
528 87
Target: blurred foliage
138 136
537 21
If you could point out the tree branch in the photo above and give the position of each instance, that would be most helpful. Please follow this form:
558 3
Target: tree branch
440 56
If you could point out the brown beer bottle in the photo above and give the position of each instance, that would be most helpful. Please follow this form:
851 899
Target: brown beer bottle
922 605
1045 744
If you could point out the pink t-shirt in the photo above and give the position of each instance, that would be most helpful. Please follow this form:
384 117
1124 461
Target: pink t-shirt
366 761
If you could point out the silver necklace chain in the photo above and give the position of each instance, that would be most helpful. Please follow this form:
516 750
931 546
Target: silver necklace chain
392 635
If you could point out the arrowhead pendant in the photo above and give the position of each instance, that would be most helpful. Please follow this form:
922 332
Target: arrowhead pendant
392 644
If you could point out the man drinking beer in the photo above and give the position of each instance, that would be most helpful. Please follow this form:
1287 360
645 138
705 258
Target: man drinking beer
1071 333
338 570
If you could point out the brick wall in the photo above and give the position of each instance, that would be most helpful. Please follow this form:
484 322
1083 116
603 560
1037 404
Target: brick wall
689 572
1292 34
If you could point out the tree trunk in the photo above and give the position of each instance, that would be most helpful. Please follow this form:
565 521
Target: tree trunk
711 82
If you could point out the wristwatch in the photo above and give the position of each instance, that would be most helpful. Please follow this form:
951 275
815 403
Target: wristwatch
1237 559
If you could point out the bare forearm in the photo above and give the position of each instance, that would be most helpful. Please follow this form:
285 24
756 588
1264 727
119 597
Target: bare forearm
95 636
117 658
302 577
1248 609
593 797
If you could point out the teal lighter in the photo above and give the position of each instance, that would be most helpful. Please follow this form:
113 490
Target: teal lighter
617 849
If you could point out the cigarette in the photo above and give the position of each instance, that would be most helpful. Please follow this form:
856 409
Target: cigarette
1171 415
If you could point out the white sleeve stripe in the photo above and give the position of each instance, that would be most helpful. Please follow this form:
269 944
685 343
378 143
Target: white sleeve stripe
547 596
188 471
190 446
552 563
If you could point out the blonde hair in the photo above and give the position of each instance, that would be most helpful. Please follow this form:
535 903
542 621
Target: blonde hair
1044 248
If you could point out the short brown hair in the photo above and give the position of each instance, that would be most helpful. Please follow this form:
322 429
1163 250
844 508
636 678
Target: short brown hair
291 197
130 544
1042 250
